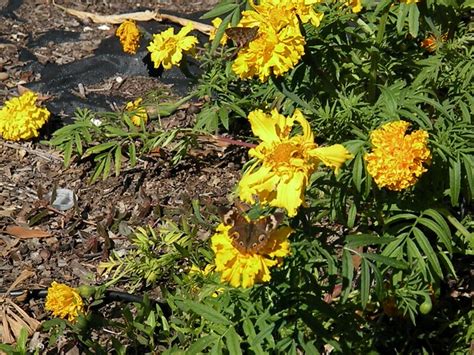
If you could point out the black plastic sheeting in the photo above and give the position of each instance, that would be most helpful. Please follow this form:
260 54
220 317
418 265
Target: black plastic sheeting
107 61
8 10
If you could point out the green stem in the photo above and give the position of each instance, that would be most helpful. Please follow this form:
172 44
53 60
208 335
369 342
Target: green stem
374 55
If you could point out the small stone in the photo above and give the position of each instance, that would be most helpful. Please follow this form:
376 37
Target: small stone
62 263
3 76
36 258
45 254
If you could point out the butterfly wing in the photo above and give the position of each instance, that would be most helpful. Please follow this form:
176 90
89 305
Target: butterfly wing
250 236
242 35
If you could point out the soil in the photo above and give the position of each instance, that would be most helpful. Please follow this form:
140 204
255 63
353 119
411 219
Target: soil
72 242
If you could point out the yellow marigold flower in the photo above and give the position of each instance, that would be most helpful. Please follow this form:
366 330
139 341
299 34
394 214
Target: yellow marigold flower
246 269
284 163
64 301
267 14
355 4
270 53
20 118
129 36
167 48
139 112
396 161
216 23
303 8
279 44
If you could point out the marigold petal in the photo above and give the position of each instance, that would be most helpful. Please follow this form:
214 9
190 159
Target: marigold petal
333 156
290 193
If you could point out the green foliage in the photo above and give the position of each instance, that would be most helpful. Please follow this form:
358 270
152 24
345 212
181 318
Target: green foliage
110 140
20 348
368 266
153 256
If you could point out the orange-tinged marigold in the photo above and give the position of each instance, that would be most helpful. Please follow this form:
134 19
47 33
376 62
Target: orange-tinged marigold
64 301
20 118
129 36
397 159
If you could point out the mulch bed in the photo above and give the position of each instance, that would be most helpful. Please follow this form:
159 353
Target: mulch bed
140 196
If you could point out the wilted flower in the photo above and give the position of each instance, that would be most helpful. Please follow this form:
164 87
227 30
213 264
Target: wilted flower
397 159
20 118
167 48
284 163
139 112
245 269
64 301
129 36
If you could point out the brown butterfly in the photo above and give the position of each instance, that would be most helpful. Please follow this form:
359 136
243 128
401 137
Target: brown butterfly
250 236
242 35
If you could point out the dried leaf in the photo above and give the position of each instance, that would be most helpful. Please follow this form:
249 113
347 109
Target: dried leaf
13 319
25 274
27 233
7 336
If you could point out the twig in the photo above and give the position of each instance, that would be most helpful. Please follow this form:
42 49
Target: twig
44 155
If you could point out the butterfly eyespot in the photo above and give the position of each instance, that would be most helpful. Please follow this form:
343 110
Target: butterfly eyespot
261 238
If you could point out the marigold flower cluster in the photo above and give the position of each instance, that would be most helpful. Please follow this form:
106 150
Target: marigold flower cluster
139 112
64 301
397 158
129 36
167 49
278 178
279 44
246 269
20 118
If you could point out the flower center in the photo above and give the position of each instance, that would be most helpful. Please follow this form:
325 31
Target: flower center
285 153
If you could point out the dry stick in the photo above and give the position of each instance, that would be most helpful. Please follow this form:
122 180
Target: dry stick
137 16
46 156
